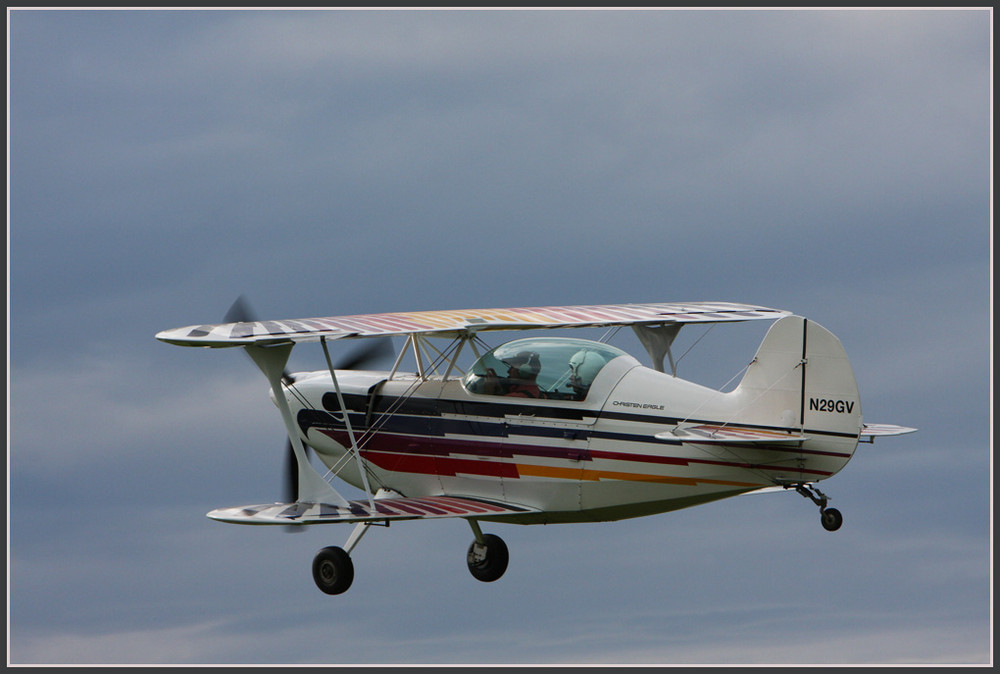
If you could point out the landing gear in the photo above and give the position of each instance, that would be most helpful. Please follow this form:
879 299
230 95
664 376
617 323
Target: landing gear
830 518
487 557
487 560
333 570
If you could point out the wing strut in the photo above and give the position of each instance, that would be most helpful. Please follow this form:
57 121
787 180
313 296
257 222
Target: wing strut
312 487
347 422
657 340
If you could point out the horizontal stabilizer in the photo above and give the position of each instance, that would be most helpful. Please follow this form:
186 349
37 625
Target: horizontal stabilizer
872 430
729 435
386 509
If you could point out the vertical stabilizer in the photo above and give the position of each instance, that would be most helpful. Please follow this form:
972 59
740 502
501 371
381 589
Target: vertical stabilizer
800 379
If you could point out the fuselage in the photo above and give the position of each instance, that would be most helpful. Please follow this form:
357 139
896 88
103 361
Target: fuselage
576 455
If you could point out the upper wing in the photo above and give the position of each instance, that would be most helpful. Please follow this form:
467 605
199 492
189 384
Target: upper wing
448 323
386 509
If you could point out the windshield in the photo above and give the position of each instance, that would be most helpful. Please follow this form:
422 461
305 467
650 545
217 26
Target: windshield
540 367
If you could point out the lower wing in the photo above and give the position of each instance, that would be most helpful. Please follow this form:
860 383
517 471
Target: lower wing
386 509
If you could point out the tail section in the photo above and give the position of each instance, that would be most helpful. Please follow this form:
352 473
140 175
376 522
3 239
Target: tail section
801 381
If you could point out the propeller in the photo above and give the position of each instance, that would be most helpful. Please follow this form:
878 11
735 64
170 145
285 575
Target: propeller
368 352
240 312
290 487
357 359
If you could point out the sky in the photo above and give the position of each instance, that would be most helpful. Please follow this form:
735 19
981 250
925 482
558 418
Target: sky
833 163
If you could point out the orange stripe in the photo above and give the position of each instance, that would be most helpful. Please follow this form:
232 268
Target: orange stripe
594 475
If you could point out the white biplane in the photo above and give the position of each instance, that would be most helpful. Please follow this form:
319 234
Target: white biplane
542 429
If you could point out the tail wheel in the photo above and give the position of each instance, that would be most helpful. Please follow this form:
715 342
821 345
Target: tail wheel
488 561
831 519
333 570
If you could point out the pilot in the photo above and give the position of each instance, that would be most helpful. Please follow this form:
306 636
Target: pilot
522 373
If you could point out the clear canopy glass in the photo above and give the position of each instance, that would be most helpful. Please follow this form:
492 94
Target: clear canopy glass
541 367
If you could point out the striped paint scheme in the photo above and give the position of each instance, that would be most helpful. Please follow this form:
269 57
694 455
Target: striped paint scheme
452 457
445 322
386 509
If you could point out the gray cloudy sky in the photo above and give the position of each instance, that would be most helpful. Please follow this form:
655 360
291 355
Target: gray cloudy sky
833 163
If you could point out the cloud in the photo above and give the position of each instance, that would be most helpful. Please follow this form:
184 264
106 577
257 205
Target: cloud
198 643
112 410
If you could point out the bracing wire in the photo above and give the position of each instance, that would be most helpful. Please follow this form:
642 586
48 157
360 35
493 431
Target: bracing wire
711 325
384 417
609 334
715 393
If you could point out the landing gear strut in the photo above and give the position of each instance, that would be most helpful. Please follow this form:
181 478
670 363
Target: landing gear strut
333 570
830 518
487 557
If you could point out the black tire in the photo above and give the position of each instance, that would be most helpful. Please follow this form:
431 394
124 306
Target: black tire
333 570
831 519
495 563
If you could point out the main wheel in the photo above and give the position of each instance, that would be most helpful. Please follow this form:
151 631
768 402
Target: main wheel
333 570
831 519
489 564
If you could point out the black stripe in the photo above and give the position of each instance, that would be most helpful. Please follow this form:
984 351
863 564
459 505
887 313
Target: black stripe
427 427
802 401
436 407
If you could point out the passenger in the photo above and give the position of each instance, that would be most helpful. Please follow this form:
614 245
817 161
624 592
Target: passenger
584 366
522 373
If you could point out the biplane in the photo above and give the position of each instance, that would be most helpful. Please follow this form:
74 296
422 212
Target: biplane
541 429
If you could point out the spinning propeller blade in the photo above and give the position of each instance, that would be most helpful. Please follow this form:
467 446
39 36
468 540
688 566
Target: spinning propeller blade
291 482
240 312
365 354
360 357
290 488
372 350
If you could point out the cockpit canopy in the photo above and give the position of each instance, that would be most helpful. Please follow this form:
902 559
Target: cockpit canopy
540 367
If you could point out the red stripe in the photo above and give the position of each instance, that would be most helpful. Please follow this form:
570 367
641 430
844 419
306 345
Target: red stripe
476 507
642 458
403 463
384 509
437 465
427 509
445 506
407 509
